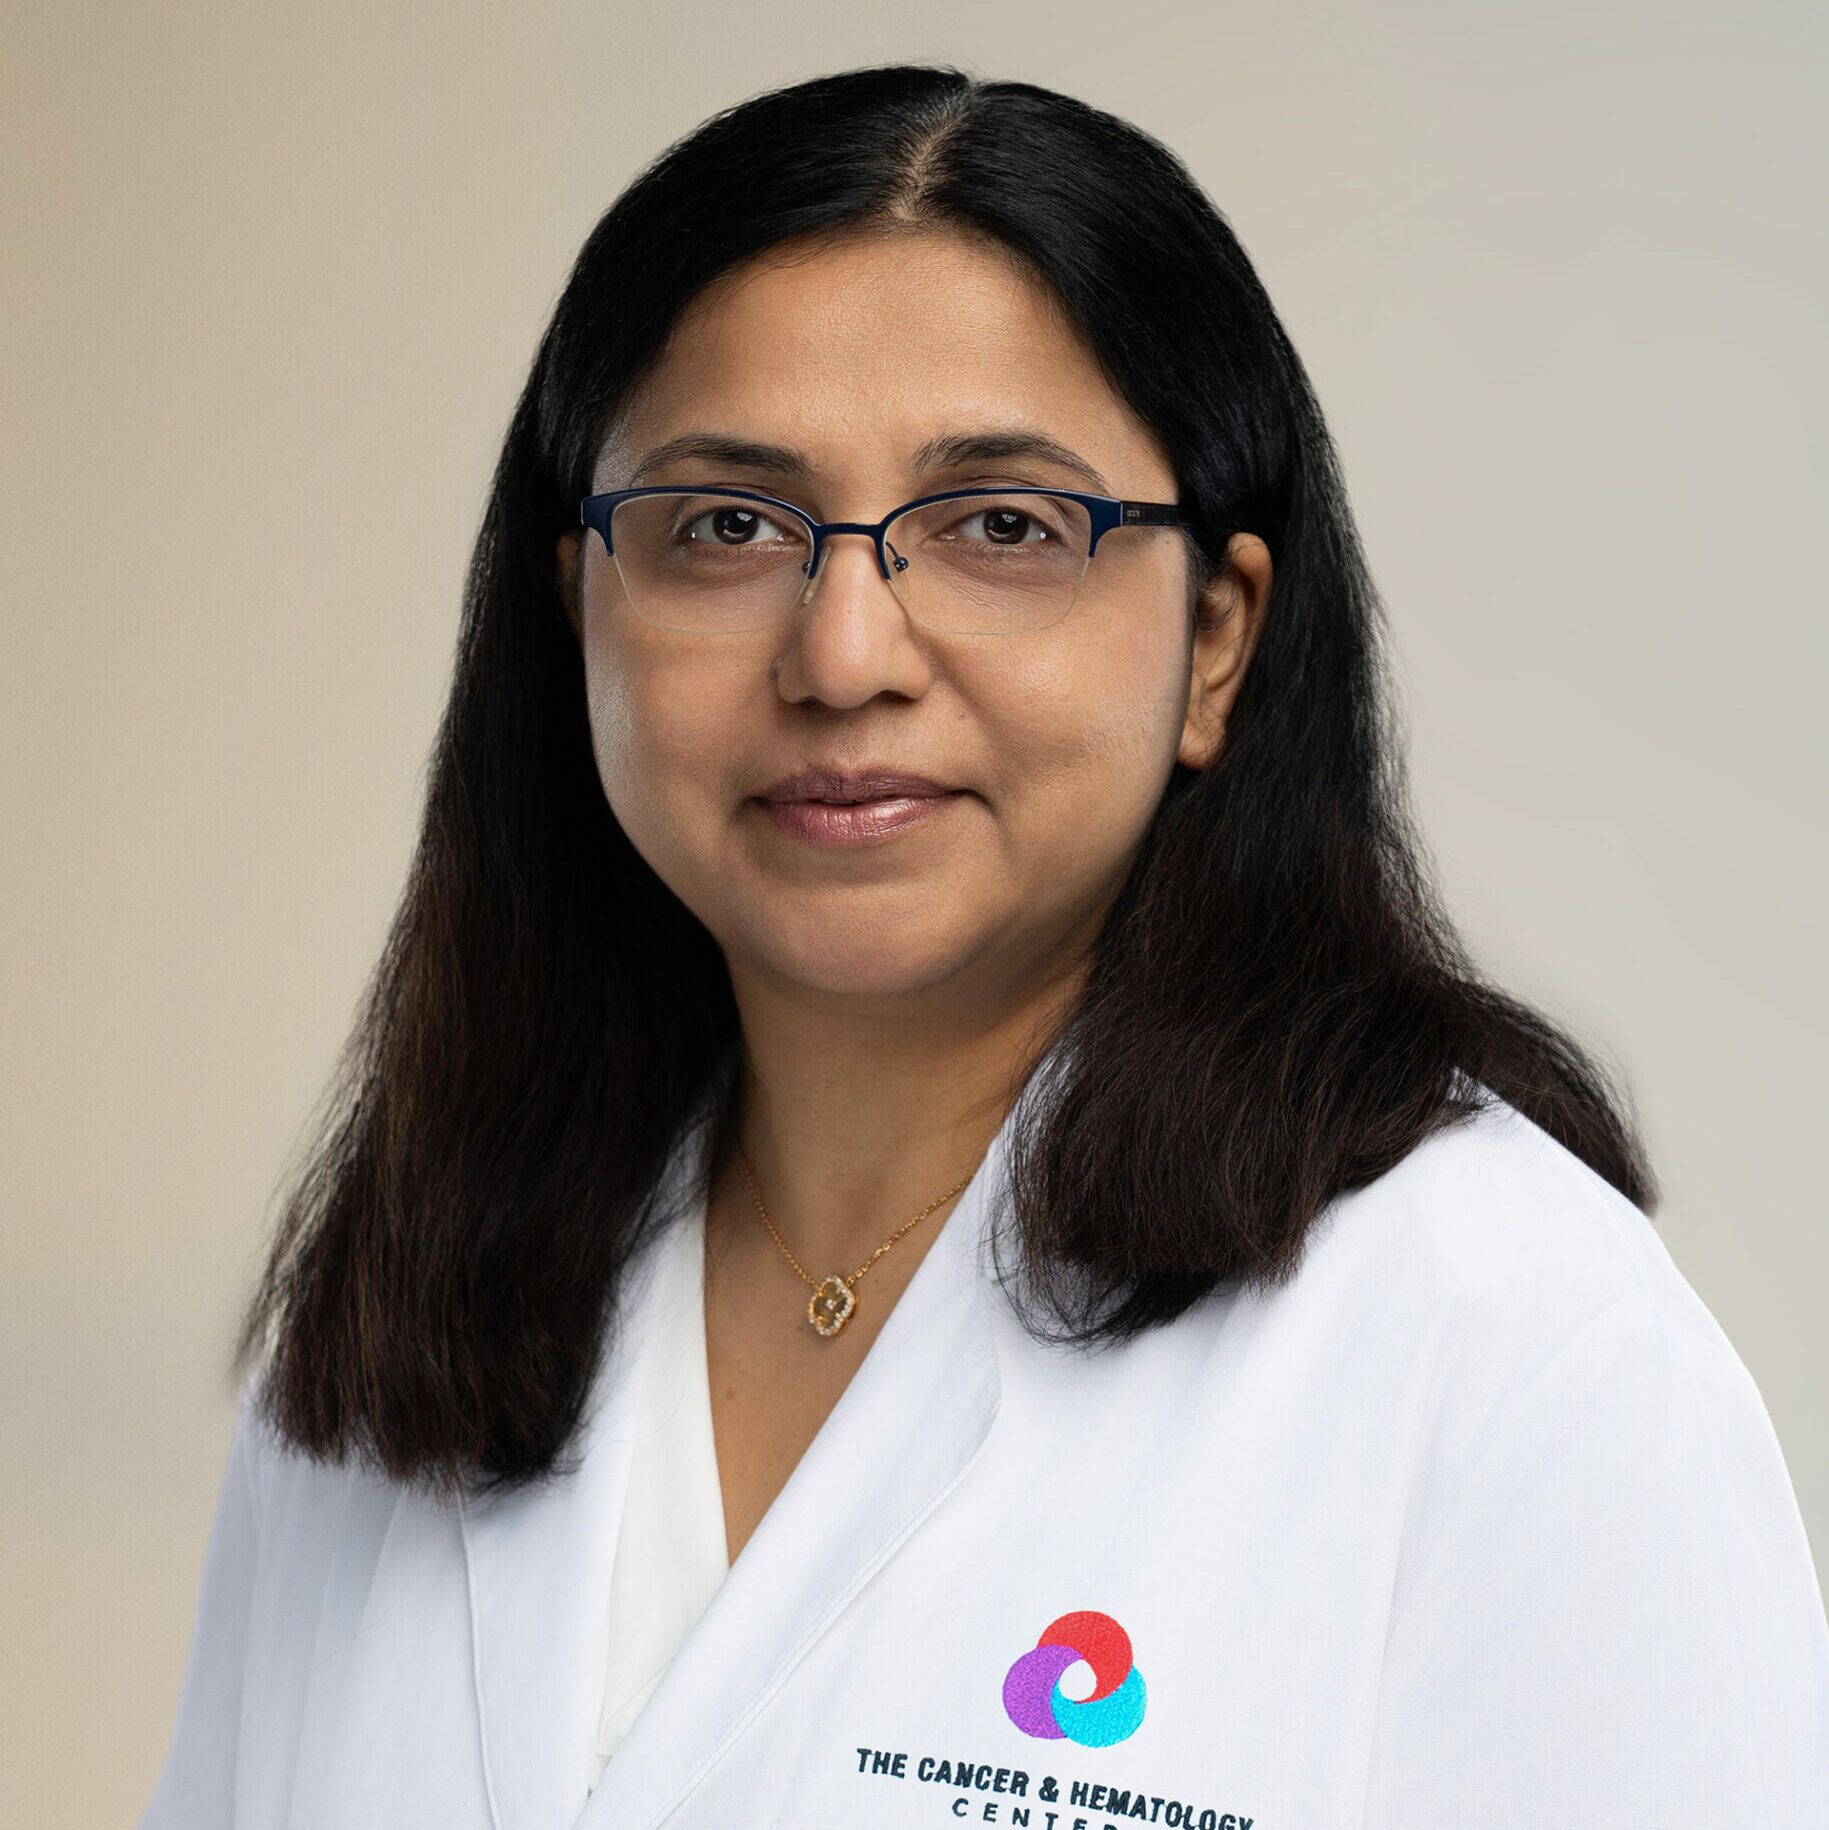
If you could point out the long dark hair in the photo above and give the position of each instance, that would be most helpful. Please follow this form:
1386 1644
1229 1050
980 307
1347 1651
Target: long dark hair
1277 1010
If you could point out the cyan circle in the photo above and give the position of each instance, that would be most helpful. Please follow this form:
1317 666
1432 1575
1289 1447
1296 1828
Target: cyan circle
1109 1719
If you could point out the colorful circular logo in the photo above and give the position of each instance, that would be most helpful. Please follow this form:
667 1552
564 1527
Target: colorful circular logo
1032 1695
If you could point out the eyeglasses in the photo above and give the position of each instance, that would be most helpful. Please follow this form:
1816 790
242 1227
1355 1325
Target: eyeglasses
965 561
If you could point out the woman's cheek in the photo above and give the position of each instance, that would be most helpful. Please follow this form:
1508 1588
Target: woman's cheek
607 705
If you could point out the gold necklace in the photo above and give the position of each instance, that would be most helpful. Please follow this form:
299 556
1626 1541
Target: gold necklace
834 1298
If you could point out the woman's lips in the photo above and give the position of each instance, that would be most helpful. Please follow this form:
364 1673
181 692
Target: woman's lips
858 822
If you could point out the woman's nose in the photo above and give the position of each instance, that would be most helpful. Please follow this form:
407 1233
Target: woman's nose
852 636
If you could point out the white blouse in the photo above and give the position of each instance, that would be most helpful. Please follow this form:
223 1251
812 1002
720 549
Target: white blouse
672 1554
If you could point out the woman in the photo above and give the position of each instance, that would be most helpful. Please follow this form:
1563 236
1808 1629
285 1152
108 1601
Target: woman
928 1221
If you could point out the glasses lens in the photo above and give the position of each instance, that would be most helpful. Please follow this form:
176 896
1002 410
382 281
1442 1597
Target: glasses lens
991 564
708 563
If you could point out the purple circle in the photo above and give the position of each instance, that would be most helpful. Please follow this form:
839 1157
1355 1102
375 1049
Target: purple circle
1028 1689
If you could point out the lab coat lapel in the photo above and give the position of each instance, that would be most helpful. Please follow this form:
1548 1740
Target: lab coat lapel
903 1431
539 1568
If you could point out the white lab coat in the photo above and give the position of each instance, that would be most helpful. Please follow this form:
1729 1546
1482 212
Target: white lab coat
1478 1523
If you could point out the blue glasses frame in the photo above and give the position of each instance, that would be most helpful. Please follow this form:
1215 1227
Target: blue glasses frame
1106 512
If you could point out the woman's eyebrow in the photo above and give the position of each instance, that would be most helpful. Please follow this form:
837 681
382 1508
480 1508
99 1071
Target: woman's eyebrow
947 451
952 449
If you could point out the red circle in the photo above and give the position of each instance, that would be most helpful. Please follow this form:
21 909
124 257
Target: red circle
1099 1640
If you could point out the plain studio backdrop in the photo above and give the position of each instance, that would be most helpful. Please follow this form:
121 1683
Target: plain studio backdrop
273 279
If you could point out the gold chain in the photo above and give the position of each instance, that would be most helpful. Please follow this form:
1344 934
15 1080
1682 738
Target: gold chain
834 1298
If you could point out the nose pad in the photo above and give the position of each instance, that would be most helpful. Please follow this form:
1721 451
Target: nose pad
898 565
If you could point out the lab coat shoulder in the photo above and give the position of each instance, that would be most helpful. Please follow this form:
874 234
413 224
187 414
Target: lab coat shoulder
196 1784
290 1706
1465 1271
1494 1222
1614 1614
1603 1602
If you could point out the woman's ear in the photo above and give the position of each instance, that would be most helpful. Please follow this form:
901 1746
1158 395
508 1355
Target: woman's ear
566 576
1229 620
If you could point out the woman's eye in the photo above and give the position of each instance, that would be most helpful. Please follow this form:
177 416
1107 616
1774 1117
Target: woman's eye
728 525
1007 527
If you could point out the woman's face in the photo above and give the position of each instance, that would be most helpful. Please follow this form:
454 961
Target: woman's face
1059 740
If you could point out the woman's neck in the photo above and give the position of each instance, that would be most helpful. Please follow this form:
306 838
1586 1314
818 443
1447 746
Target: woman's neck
850 1128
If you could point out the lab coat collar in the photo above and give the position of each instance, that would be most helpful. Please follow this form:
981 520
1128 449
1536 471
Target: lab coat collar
904 1430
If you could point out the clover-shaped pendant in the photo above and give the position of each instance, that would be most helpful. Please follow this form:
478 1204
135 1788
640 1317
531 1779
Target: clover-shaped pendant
830 1306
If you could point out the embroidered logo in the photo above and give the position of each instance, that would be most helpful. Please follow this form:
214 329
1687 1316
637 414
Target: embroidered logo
1032 1696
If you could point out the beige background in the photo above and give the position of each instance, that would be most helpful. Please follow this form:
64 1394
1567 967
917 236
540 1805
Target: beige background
273 277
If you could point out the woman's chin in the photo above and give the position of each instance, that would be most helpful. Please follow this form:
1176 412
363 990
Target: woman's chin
874 966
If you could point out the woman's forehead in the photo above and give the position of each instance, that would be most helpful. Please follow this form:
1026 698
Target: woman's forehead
824 373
